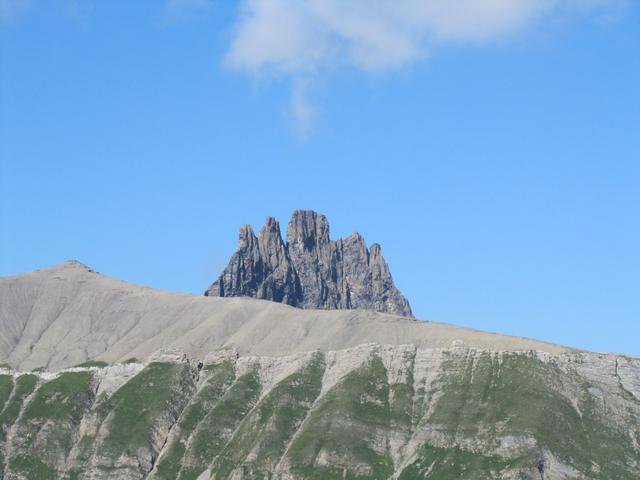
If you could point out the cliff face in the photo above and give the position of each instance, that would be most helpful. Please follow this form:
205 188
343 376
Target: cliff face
369 412
310 270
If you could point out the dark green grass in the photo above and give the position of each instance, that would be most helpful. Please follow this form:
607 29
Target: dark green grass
63 398
136 406
93 363
6 387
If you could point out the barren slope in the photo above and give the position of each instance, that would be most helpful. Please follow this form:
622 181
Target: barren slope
64 315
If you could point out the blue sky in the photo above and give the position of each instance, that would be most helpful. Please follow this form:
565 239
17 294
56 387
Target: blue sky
493 150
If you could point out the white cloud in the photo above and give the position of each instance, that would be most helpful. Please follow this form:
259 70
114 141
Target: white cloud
12 10
299 39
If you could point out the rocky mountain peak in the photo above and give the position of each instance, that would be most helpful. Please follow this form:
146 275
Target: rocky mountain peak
269 239
246 238
271 228
307 230
310 270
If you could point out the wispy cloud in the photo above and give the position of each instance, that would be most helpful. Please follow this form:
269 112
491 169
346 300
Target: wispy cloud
78 11
180 11
12 10
302 109
299 39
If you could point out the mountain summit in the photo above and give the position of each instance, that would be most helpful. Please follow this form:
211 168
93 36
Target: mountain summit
310 270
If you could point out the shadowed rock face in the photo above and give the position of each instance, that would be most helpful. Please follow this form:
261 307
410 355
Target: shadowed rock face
310 270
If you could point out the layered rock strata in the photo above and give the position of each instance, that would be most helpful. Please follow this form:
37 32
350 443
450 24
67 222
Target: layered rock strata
369 412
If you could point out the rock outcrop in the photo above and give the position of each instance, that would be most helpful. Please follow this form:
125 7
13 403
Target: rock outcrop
310 270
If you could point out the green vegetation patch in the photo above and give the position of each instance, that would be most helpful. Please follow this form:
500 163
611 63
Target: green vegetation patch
93 363
346 427
132 412
216 428
31 467
66 397
6 387
218 380
401 396
24 386
47 427
455 464
73 474
267 430
485 398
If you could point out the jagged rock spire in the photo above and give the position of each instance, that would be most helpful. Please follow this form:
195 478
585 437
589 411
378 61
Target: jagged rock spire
310 270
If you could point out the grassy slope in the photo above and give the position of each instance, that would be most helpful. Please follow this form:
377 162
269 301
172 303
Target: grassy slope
487 399
24 386
218 379
133 419
264 434
482 399
342 432
48 425
216 428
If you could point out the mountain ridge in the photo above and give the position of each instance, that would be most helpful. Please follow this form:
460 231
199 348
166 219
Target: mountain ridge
164 386
67 314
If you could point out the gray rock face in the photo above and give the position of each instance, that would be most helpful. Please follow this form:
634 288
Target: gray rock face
310 270
260 268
